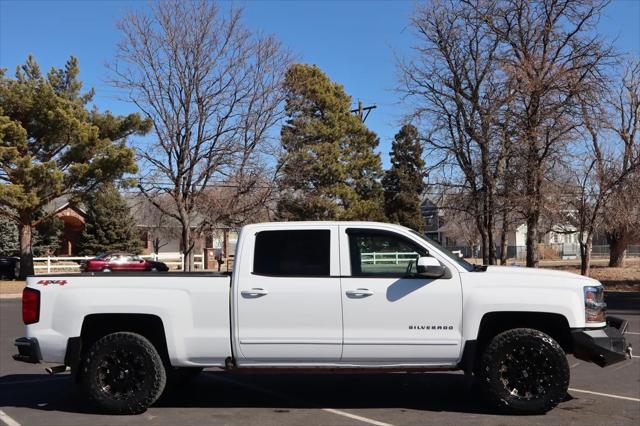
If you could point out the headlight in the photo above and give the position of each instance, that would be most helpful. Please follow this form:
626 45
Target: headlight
594 305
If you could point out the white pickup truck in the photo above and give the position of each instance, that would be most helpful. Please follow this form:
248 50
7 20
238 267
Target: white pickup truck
332 296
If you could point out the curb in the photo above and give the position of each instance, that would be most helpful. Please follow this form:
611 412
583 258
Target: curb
11 296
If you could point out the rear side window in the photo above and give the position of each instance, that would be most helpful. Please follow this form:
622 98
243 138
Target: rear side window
292 253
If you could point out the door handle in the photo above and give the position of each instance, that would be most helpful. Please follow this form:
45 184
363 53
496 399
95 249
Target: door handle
254 292
361 292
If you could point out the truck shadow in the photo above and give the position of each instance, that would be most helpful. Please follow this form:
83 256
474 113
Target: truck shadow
437 392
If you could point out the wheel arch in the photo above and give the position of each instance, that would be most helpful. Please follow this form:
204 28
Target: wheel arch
96 326
493 323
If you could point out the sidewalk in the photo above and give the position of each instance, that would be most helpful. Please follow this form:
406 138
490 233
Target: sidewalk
11 289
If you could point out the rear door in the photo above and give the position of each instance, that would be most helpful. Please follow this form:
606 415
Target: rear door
136 263
118 262
288 296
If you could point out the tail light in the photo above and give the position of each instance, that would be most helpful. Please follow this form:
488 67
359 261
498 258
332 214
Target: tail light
30 306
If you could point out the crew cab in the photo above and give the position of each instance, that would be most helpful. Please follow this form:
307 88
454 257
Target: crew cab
322 296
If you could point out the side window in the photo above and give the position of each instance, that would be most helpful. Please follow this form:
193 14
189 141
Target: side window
382 253
292 253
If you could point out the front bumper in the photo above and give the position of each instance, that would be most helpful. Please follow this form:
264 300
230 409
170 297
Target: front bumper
28 350
602 346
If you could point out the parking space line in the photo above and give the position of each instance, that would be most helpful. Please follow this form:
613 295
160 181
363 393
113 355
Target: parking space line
574 365
631 332
627 398
355 417
286 397
7 420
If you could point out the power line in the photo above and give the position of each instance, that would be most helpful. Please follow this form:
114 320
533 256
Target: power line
363 111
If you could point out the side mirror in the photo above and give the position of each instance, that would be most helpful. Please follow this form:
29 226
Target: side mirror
429 267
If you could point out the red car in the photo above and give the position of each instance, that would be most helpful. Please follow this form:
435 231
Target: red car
109 262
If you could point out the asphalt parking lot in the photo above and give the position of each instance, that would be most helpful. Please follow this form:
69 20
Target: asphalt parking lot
28 396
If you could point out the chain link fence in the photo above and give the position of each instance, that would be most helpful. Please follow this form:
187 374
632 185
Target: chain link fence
547 251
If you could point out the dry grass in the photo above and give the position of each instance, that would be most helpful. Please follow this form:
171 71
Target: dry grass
11 287
619 279
622 279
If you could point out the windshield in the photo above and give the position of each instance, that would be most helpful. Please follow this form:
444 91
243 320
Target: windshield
460 261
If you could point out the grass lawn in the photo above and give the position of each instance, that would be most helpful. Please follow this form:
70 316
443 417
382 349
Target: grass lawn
617 279
622 279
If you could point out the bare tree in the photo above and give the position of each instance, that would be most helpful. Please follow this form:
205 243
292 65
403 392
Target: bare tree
623 215
456 82
235 204
551 55
159 227
608 169
213 91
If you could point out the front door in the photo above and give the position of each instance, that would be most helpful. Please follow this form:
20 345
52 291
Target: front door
391 316
288 297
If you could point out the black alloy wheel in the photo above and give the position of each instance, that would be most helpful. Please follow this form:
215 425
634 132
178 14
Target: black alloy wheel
524 371
123 373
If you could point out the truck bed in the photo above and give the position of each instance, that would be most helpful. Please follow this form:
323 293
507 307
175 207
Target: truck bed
193 307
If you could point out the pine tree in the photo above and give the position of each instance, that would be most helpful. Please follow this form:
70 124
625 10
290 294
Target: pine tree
329 167
109 225
45 236
403 183
51 145
8 237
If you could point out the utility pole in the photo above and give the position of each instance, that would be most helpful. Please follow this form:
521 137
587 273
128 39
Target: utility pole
360 111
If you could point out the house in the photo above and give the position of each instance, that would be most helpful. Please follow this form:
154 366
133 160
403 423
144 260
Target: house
159 233
457 231
73 219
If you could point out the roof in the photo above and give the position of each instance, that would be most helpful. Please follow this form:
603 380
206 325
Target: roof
324 223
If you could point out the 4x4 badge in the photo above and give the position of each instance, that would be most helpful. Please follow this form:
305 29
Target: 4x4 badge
54 282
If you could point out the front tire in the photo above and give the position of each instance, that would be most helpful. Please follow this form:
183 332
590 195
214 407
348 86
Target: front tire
524 371
123 373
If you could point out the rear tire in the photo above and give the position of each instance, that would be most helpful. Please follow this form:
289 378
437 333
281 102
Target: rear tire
524 371
123 373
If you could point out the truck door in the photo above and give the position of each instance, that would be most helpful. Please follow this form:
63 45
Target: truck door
288 296
392 316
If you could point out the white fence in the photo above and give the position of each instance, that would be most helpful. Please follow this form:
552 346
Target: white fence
49 264
393 258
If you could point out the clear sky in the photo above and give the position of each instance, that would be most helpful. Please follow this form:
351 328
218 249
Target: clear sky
354 42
